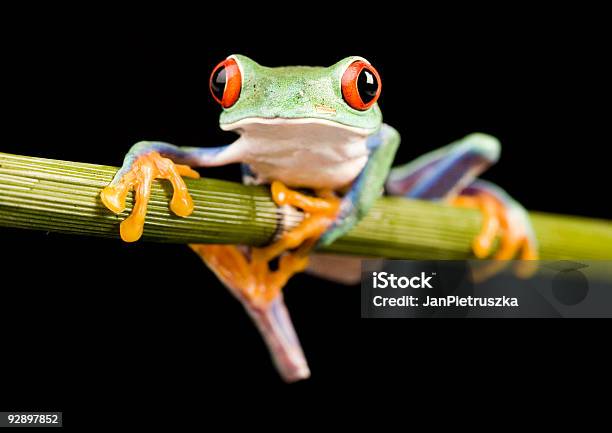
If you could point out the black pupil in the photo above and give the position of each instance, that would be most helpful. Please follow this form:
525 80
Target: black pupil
217 84
367 85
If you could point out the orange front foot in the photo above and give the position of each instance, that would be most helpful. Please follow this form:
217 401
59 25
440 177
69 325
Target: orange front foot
511 226
143 171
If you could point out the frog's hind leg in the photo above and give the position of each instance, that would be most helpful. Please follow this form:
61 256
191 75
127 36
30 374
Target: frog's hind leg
449 174
235 268
248 275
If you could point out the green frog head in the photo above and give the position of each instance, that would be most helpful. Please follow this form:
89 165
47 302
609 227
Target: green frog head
343 95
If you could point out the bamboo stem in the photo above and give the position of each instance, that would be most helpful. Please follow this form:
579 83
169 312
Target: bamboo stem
63 196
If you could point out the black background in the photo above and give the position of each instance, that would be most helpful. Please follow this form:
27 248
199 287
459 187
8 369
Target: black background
90 323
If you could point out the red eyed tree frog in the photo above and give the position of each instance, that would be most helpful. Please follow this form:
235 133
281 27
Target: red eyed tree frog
320 129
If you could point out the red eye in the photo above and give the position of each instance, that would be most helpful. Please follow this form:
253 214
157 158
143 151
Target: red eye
225 83
361 85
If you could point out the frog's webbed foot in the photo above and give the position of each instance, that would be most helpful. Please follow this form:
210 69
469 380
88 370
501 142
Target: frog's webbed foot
138 177
293 247
254 289
505 219
248 274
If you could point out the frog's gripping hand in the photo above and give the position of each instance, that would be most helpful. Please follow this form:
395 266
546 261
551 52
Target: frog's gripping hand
144 170
147 161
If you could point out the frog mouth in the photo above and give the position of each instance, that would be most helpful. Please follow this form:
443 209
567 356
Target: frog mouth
303 122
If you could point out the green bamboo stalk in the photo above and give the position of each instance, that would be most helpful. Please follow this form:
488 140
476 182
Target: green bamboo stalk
63 196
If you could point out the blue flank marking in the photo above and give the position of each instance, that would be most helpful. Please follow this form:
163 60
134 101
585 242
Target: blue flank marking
449 171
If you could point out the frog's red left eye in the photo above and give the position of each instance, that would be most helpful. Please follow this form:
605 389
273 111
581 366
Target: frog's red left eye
361 85
226 82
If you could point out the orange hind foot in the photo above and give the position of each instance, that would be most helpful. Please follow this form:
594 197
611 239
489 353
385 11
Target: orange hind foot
510 226
251 277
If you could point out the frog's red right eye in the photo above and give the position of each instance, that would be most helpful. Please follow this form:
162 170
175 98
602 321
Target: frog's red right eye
360 85
226 82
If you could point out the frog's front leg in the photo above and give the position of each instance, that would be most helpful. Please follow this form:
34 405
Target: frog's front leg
449 174
149 160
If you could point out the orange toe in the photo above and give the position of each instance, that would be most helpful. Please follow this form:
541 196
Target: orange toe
143 171
131 228
182 204
114 198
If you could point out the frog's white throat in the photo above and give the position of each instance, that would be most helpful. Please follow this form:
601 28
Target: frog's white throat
312 153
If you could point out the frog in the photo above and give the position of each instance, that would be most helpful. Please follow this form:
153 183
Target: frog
316 136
